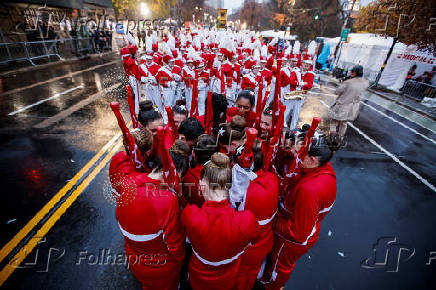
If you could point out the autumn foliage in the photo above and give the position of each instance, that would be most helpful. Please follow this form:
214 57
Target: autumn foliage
409 21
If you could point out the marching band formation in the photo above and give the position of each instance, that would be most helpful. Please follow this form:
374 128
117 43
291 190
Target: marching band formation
217 187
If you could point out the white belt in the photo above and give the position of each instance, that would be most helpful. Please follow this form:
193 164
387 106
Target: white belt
222 262
266 221
139 238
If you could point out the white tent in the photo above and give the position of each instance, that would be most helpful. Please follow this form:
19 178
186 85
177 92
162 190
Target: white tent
279 34
370 51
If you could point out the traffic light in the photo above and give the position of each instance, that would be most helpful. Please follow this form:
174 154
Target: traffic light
316 16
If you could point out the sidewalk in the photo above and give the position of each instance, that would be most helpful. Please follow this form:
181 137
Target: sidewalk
396 98
407 102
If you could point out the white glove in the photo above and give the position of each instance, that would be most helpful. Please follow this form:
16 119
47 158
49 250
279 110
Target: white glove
177 77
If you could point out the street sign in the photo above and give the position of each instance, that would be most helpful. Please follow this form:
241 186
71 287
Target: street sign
344 34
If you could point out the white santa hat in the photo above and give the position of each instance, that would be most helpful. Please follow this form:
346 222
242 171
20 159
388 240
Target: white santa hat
264 51
196 42
311 48
148 44
154 37
296 48
288 51
182 40
130 39
274 41
166 49
226 46
171 41
256 55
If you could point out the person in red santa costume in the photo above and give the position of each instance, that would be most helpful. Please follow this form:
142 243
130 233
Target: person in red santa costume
215 69
244 107
290 78
267 76
252 79
166 78
257 191
219 235
155 246
305 204
188 75
128 56
236 75
147 72
306 83
203 86
223 82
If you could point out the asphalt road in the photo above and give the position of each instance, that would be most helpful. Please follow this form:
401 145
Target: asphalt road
57 223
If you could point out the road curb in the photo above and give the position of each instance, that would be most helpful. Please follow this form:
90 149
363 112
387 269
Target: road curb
402 104
46 65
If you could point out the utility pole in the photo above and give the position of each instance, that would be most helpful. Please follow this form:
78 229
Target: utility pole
338 46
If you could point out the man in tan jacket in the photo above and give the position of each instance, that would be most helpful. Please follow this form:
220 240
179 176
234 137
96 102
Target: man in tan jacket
346 106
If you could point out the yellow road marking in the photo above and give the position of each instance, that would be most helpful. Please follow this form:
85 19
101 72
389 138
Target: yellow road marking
55 199
32 243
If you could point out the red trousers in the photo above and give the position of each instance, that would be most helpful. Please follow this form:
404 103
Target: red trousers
205 277
251 263
282 261
164 274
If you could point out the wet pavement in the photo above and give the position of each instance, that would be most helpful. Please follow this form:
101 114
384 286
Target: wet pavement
379 199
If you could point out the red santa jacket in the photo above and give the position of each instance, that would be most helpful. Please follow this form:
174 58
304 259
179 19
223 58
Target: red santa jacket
130 66
165 75
159 234
219 235
288 77
179 62
249 63
237 72
250 81
308 78
190 186
227 69
143 72
249 119
209 58
187 76
153 68
267 75
270 62
205 76
305 206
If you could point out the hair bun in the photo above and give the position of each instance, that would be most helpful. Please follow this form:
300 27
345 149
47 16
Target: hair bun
238 123
180 147
181 102
220 160
146 105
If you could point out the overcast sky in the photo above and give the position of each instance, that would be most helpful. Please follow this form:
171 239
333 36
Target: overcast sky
233 4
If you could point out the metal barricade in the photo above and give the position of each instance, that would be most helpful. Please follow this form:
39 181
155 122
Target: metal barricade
60 48
418 90
42 49
15 51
